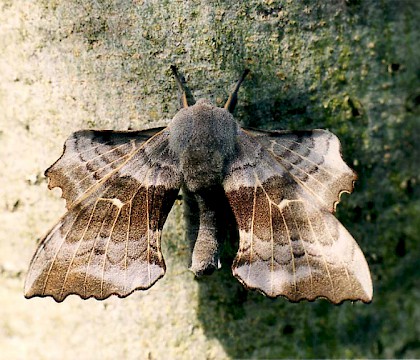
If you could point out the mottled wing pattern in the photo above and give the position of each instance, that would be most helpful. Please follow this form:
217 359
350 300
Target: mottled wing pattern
290 242
313 159
89 156
119 187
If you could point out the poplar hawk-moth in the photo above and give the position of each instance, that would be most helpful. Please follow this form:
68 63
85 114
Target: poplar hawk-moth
281 187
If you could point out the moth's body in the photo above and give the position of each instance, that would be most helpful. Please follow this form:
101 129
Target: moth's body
203 137
279 189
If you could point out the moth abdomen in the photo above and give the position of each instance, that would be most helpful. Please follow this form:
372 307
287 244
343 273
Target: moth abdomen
207 215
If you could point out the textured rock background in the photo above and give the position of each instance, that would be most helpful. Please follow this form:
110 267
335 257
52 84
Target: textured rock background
352 66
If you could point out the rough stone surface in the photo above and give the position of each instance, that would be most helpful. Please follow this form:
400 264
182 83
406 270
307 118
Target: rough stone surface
352 66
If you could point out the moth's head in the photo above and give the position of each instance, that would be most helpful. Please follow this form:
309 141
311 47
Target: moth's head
203 125
204 103
203 111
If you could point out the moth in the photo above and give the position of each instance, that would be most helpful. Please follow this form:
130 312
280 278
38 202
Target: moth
281 188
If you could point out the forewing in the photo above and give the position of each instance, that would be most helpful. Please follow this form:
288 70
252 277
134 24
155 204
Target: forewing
290 243
89 156
313 159
109 240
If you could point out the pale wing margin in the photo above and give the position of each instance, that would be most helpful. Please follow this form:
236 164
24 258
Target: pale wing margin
109 240
313 158
290 244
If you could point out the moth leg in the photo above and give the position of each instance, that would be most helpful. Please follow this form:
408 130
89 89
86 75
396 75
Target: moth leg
233 98
185 93
191 216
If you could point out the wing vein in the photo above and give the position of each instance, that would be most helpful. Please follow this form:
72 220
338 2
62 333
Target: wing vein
93 250
272 249
87 150
304 247
321 251
107 176
305 158
148 234
58 250
252 230
342 263
84 164
106 249
78 245
291 249
127 239
100 169
299 181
